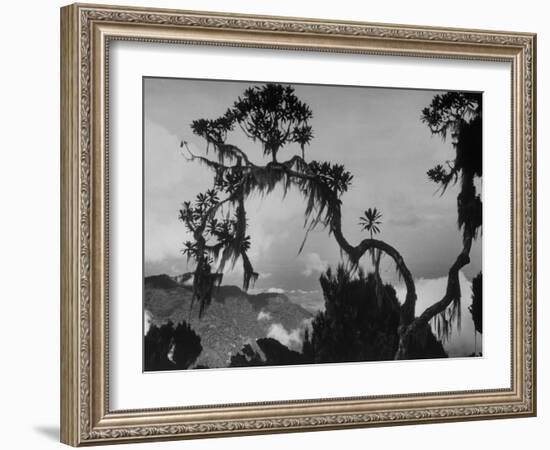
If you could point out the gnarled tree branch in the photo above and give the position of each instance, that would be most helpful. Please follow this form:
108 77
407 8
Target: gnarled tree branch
356 252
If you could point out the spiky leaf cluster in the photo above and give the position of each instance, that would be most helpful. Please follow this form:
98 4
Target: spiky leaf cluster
216 232
460 114
274 116
333 176
214 130
271 114
443 176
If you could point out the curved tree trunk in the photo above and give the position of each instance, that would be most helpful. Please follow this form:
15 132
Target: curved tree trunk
409 325
408 333
356 252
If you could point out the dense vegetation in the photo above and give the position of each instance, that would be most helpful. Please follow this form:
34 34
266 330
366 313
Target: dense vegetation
360 323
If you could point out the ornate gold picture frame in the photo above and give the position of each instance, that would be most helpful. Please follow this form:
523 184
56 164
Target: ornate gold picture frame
87 32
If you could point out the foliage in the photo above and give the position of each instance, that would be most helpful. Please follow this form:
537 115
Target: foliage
160 282
370 222
445 321
356 326
476 308
274 116
423 344
353 327
247 357
271 114
171 348
460 115
157 344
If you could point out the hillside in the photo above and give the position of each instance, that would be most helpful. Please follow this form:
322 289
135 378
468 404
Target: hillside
234 318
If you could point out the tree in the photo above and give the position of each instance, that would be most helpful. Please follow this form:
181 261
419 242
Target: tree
460 115
169 348
273 115
356 326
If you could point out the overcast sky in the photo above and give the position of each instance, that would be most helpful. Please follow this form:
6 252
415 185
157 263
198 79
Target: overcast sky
375 132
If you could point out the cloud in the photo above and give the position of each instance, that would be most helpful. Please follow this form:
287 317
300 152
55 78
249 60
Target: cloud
264 315
429 291
405 221
314 264
166 184
146 321
291 339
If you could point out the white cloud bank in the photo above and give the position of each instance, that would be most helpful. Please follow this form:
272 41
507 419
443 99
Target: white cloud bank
314 264
274 290
291 339
429 291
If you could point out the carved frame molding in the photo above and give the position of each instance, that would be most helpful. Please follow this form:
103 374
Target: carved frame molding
86 31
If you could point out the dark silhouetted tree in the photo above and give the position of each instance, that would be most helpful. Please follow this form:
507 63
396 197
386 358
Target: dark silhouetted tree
273 116
476 308
370 221
246 357
169 348
276 353
157 344
187 346
356 326
458 114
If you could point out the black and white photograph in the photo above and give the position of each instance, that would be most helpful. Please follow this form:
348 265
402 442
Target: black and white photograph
289 224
